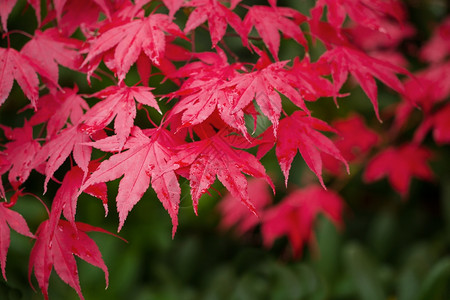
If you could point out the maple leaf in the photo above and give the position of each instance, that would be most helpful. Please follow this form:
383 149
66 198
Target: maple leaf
354 142
118 103
207 95
4 166
268 20
6 7
14 65
83 14
234 213
438 47
294 216
130 38
432 88
59 6
364 68
213 157
20 153
368 13
309 79
56 247
370 39
207 90
173 6
400 164
56 150
425 90
298 132
65 200
439 122
49 48
264 86
16 222
143 163
218 17
56 109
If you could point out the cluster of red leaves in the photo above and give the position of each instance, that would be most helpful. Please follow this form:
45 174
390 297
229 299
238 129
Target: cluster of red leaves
204 135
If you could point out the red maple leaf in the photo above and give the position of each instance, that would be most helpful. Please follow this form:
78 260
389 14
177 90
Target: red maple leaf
438 47
218 17
355 141
370 39
118 103
299 132
4 167
14 65
129 38
369 13
439 123
427 87
83 14
264 86
173 6
56 109
19 157
364 68
400 164
6 7
206 95
425 90
214 156
49 48
234 213
59 7
56 247
207 90
296 213
16 222
57 149
143 163
268 20
66 197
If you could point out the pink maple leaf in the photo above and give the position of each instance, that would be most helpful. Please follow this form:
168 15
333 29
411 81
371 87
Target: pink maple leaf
6 7
234 213
55 247
299 132
65 200
364 68
145 162
16 222
14 65
118 103
368 13
268 20
294 216
264 86
438 47
355 141
214 156
56 109
173 6
128 39
206 95
20 154
49 48
56 150
217 15
83 14
400 164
